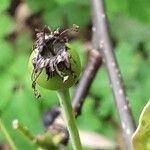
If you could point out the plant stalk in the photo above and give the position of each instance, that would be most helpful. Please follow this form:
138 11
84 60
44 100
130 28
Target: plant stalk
7 136
64 98
103 43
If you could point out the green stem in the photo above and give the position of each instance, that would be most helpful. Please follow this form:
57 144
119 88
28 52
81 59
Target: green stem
7 136
64 98
24 130
47 140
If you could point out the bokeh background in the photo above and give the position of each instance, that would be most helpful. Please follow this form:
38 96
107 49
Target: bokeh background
129 22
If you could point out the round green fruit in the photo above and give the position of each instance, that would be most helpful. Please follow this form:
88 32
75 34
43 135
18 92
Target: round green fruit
56 82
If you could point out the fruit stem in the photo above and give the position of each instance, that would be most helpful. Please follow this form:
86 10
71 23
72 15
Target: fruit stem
64 98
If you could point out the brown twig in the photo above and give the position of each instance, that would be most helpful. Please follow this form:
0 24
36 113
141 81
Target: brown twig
100 26
93 63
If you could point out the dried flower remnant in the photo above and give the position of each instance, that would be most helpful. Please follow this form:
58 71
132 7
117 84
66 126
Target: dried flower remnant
51 54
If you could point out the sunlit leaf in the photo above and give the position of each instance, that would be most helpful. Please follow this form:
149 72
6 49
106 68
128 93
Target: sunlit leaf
141 137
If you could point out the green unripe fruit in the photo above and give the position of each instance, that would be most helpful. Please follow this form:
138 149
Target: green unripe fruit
56 82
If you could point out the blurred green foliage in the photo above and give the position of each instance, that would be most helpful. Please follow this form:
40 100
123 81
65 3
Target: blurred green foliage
129 23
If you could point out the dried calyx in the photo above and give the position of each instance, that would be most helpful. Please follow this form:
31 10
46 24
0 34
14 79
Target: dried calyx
51 54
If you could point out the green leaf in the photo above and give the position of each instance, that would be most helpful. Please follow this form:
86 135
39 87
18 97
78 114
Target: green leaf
129 30
54 18
6 55
6 25
134 72
115 7
6 92
38 5
141 137
88 120
24 44
140 10
100 82
4 5
20 62
127 60
76 15
106 106
60 2
101 88
24 108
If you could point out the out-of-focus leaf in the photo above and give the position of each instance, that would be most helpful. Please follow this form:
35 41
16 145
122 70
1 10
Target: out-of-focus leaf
51 20
88 120
4 5
134 72
6 91
6 25
60 2
100 86
24 44
106 106
76 15
141 137
127 60
129 30
25 109
139 11
115 7
135 102
19 67
6 54
37 5
22 107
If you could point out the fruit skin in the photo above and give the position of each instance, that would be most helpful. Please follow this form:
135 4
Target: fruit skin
56 82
